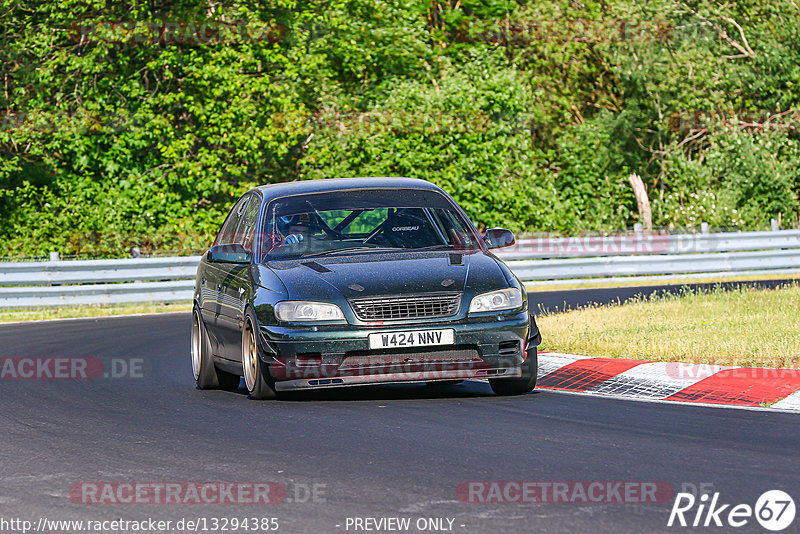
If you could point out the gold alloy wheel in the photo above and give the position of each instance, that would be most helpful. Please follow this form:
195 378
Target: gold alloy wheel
249 355
197 345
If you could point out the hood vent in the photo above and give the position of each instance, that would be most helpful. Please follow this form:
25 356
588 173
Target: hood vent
456 259
314 266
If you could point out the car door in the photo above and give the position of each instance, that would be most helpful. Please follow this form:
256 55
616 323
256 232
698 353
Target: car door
235 284
212 275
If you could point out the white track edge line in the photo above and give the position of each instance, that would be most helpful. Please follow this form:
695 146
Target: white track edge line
664 401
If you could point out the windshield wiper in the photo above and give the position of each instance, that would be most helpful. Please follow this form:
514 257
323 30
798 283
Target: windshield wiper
347 249
433 247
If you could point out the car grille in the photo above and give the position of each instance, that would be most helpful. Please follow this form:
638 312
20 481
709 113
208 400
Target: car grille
413 307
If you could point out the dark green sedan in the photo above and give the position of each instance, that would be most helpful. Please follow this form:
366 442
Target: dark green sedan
347 282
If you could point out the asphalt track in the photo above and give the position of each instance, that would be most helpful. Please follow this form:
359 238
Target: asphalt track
390 451
560 300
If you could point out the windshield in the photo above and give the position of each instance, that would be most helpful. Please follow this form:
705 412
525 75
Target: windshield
344 222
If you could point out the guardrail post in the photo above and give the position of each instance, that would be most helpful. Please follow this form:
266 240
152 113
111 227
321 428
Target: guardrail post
775 225
637 227
704 228
54 256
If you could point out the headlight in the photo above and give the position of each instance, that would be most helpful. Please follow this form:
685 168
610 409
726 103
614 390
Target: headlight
300 310
504 299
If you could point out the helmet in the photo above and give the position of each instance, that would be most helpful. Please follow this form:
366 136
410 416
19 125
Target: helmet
287 222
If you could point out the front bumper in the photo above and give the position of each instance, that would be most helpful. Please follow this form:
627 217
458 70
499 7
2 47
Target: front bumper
339 355
433 375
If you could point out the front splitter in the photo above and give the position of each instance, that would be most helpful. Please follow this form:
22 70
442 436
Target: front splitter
387 378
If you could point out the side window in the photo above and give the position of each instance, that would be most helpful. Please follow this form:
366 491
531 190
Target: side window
247 225
227 233
270 238
455 229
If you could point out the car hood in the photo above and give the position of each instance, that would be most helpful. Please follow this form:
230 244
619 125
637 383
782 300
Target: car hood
370 275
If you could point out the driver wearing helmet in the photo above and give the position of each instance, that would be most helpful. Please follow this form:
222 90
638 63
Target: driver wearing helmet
295 228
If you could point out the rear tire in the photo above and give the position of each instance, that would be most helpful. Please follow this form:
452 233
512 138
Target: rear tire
524 384
205 373
257 379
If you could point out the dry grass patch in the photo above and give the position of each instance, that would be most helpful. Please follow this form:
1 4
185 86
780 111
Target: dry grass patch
744 327
641 281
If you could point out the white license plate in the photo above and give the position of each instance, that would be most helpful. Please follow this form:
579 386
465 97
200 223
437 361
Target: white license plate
411 338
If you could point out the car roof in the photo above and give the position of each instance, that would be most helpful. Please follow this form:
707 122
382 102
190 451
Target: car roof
302 187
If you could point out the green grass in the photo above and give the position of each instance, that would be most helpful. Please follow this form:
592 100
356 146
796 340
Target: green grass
67 312
743 327
635 281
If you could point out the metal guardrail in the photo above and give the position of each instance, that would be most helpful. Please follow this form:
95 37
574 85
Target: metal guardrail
97 271
135 292
642 243
537 261
674 264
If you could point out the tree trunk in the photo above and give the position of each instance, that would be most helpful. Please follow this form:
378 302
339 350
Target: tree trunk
645 214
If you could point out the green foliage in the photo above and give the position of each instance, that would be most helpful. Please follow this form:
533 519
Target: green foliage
468 133
739 180
531 114
684 209
592 177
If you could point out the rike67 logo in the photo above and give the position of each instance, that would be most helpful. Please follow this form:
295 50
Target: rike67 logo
774 510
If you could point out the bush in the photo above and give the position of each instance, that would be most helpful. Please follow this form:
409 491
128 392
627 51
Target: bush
468 132
739 180
532 114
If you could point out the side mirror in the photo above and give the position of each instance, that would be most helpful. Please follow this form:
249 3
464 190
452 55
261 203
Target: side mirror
499 238
233 253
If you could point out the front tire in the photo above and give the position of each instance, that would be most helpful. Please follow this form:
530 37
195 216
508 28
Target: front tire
256 374
206 375
524 384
